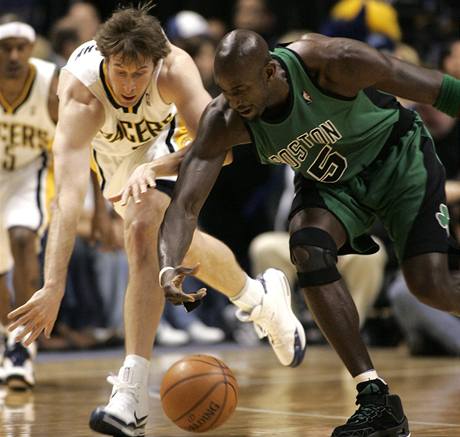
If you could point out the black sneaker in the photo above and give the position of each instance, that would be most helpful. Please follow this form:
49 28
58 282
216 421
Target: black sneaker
379 414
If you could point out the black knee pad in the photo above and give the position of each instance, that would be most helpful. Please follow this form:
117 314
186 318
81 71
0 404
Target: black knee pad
314 253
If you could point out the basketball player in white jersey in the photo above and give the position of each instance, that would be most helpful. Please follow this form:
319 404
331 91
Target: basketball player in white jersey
129 101
28 112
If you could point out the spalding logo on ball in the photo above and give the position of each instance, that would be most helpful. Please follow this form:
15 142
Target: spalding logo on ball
199 393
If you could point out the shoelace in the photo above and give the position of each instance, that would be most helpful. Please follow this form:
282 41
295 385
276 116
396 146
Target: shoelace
124 388
365 412
262 330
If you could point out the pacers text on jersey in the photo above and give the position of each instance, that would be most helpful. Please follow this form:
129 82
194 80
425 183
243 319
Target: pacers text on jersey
137 132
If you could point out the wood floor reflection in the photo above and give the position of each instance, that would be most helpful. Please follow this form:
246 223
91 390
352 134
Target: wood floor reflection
274 401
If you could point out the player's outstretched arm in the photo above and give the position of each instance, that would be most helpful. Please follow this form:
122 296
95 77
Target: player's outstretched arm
80 117
197 175
346 66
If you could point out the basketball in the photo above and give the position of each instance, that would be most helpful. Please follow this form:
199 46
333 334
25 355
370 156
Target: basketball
199 393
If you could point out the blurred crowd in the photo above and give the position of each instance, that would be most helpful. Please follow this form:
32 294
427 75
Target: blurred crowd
248 206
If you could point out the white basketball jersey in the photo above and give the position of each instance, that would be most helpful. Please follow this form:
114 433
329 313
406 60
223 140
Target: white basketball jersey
126 129
26 128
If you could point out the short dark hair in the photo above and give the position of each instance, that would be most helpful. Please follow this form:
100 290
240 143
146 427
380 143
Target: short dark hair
134 34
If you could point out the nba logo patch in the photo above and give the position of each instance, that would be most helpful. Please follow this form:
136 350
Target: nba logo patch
306 96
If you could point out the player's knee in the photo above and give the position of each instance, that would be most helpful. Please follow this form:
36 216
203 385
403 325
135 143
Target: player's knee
21 238
139 234
314 253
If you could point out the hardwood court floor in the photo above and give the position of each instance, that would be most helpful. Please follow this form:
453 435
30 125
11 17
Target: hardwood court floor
305 402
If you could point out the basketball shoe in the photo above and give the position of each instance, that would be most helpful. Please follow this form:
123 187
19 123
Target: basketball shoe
126 413
274 319
379 414
18 363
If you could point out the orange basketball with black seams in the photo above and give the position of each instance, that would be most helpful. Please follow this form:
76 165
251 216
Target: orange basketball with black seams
199 393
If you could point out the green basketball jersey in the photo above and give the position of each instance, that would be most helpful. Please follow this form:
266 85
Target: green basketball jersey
325 137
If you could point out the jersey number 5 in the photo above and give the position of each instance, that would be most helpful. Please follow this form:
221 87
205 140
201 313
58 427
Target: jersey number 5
10 159
328 166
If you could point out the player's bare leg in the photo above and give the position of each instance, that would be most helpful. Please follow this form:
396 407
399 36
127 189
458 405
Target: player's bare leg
18 361
429 279
315 236
265 301
127 410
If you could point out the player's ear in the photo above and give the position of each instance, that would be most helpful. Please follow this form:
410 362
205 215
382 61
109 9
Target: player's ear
270 70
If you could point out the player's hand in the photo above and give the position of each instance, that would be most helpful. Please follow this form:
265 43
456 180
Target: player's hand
171 281
142 177
38 314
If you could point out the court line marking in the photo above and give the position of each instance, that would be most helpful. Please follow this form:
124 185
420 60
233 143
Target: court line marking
156 395
387 374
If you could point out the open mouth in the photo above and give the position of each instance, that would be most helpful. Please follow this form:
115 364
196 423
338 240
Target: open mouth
128 98
13 68
245 111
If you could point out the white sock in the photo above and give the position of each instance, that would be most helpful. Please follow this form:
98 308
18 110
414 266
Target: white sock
369 375
137 362
250 296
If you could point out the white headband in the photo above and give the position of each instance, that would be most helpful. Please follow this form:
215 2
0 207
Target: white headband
17 29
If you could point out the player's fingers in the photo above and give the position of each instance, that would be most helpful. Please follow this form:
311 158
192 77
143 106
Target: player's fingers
198 295
116 198
24 333
125 196
26 318
175 296
18 311
49 328
143 186
151 182
135 191
33 336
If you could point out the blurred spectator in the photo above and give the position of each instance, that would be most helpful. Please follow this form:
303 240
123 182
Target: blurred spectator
256 15
201 48
85 17
216 28
186 24
191 323
450 59
64 38
427 331
372 21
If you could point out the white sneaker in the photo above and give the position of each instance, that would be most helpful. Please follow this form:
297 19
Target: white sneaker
18 364
274 318
169 336
127 411
202 333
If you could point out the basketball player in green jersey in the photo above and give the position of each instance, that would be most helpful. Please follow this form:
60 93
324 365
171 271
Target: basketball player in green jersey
324 106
